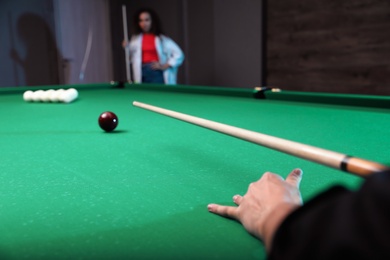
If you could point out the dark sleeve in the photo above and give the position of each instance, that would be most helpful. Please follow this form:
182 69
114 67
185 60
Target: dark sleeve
339 223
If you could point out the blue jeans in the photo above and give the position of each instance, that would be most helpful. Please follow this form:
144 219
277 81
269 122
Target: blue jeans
151 76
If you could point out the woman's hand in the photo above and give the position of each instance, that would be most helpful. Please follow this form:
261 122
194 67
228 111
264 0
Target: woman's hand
158 66
125 43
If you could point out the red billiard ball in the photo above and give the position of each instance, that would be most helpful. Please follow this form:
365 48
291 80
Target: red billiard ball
108 121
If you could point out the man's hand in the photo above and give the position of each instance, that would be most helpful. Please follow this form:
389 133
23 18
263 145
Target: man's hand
266 204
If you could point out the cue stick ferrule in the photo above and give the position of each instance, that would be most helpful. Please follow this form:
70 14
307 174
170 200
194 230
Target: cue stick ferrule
357 166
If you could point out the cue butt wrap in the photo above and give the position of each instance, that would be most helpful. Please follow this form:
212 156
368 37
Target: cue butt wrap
362 167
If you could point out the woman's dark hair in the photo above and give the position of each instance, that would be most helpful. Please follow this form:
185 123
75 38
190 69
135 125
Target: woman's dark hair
156 24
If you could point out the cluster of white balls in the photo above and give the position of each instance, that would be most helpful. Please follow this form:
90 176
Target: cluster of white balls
51 95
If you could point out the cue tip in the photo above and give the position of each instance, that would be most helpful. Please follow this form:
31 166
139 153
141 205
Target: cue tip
139 104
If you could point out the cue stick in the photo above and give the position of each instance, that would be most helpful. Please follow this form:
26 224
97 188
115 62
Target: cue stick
87 51
126 37
354 165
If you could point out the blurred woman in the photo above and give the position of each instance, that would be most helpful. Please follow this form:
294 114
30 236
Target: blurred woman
154 57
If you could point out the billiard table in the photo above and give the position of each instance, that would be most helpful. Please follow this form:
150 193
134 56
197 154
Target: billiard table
70 190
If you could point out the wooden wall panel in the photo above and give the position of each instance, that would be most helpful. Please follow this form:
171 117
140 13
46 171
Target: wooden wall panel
329 45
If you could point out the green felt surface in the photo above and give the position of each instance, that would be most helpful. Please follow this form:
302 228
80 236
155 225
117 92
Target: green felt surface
70 190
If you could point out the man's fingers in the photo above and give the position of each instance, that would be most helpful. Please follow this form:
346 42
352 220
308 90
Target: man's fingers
224 211
294 178
237 199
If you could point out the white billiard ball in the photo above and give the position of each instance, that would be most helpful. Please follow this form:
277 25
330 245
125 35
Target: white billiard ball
56 95
69 95
27 95
48 94
36 96
45 96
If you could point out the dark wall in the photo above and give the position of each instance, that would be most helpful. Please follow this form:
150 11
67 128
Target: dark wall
29 53
312 45
220 38
201 45
225 43
237 40
329 45
84 37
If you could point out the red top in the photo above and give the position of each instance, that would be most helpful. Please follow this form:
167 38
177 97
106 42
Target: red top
149 52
